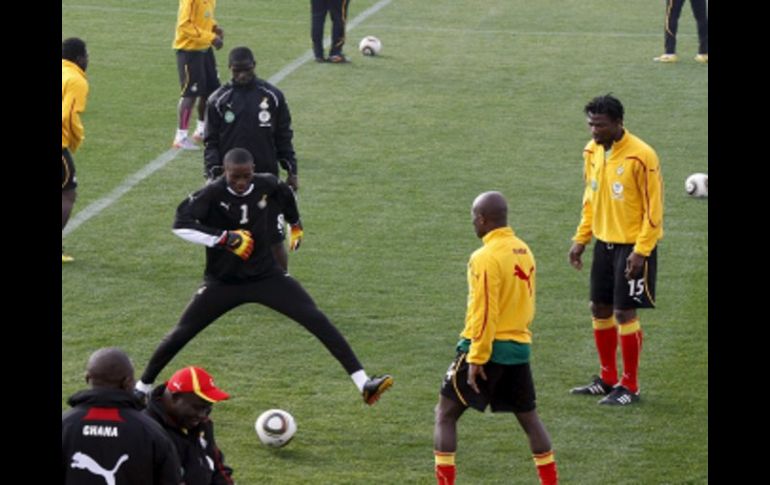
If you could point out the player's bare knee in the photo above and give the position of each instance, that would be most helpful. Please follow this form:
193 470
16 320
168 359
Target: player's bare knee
623 316
601 310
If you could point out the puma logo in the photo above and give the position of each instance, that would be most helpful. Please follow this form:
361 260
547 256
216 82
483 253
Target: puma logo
84 462
519 273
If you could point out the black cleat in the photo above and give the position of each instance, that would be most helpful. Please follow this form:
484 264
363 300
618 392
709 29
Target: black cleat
374 388
597 387
620 396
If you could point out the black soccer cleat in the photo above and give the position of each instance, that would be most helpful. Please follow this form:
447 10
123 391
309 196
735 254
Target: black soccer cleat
597 387
375 386
620 396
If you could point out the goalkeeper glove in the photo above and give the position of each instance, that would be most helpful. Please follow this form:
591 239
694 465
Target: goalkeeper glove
238 242
296 236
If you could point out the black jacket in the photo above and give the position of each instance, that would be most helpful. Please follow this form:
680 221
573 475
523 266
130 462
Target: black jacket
255 117
106 439
202 461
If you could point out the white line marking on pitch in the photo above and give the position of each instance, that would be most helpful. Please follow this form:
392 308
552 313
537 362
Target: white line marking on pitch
94 208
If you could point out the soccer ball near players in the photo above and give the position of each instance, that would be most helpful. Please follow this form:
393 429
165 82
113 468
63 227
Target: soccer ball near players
697 185
275 427
370 46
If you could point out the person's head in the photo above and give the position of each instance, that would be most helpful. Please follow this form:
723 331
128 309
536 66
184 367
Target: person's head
74 50
489 211
189 396
239 169
110 368
241 63
605 118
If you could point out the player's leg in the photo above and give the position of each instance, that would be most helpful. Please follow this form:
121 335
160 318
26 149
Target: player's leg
191 75
339 16
318 18
68 193
673 11
702 21
210 84
604 328
209 303
447 413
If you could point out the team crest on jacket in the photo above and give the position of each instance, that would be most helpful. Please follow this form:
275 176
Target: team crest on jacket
229 116
617 190
262 202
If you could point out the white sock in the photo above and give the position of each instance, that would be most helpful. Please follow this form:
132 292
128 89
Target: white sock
200 126
141 386
360 378
181 134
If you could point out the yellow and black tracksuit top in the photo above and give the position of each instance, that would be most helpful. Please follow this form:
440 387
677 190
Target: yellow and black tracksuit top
74 92
623 197
501 295
195 25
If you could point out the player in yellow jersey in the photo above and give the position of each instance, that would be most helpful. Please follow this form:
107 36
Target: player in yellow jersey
74 94
623 210
492 363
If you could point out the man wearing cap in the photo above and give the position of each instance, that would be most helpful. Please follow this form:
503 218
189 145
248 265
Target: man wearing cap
182 406
105 437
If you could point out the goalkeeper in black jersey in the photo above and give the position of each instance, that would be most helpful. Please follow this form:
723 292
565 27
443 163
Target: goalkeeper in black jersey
230 217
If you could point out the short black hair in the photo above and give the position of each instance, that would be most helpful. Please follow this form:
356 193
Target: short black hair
238 156
605 105
241 55
73 48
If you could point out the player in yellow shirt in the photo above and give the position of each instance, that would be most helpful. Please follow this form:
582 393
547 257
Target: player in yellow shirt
74 93
492 363
623 210
196 32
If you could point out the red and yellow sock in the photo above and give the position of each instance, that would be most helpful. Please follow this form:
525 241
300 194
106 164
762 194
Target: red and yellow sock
546 468
445 467
606 338
631 348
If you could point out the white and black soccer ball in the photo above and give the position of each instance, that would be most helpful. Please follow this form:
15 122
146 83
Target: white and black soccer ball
370 46
275 427
697 185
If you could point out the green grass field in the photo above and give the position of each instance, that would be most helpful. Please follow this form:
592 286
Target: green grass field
466 97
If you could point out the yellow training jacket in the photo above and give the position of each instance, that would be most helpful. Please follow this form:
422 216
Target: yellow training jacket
195 25
501 293
623 198
74 92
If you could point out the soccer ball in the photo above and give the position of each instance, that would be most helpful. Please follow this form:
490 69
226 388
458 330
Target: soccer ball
697 185
370 46
275 427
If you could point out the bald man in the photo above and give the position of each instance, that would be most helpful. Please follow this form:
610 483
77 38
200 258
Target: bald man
491 367
105 437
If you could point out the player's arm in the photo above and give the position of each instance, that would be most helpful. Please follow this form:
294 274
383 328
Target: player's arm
73 104
212 159
484 308
650 183
222 472
167 469
584 230
284 147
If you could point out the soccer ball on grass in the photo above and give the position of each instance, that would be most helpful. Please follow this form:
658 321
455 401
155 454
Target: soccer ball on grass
275 427
370 46
697 185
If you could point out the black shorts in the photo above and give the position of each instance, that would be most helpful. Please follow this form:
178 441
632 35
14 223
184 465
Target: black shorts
68 179
197 72
508 388
609 284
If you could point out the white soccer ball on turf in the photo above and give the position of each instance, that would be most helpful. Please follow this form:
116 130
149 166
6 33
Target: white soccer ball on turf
697 185
370 46
275 427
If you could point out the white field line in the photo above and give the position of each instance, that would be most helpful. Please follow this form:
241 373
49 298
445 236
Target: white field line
96 207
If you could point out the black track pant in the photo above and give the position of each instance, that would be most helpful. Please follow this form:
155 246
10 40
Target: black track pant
281 293
673 11
338 10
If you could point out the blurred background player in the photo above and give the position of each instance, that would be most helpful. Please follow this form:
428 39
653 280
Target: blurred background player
74 94
106 439
230 217
492 363
182 406
671 24
251 113
196 33
623 210
338 11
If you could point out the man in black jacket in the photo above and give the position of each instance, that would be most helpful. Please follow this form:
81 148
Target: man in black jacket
251 113
105 438
182 406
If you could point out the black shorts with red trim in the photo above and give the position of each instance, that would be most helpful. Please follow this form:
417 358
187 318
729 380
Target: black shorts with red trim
609 285
197 72
508 388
